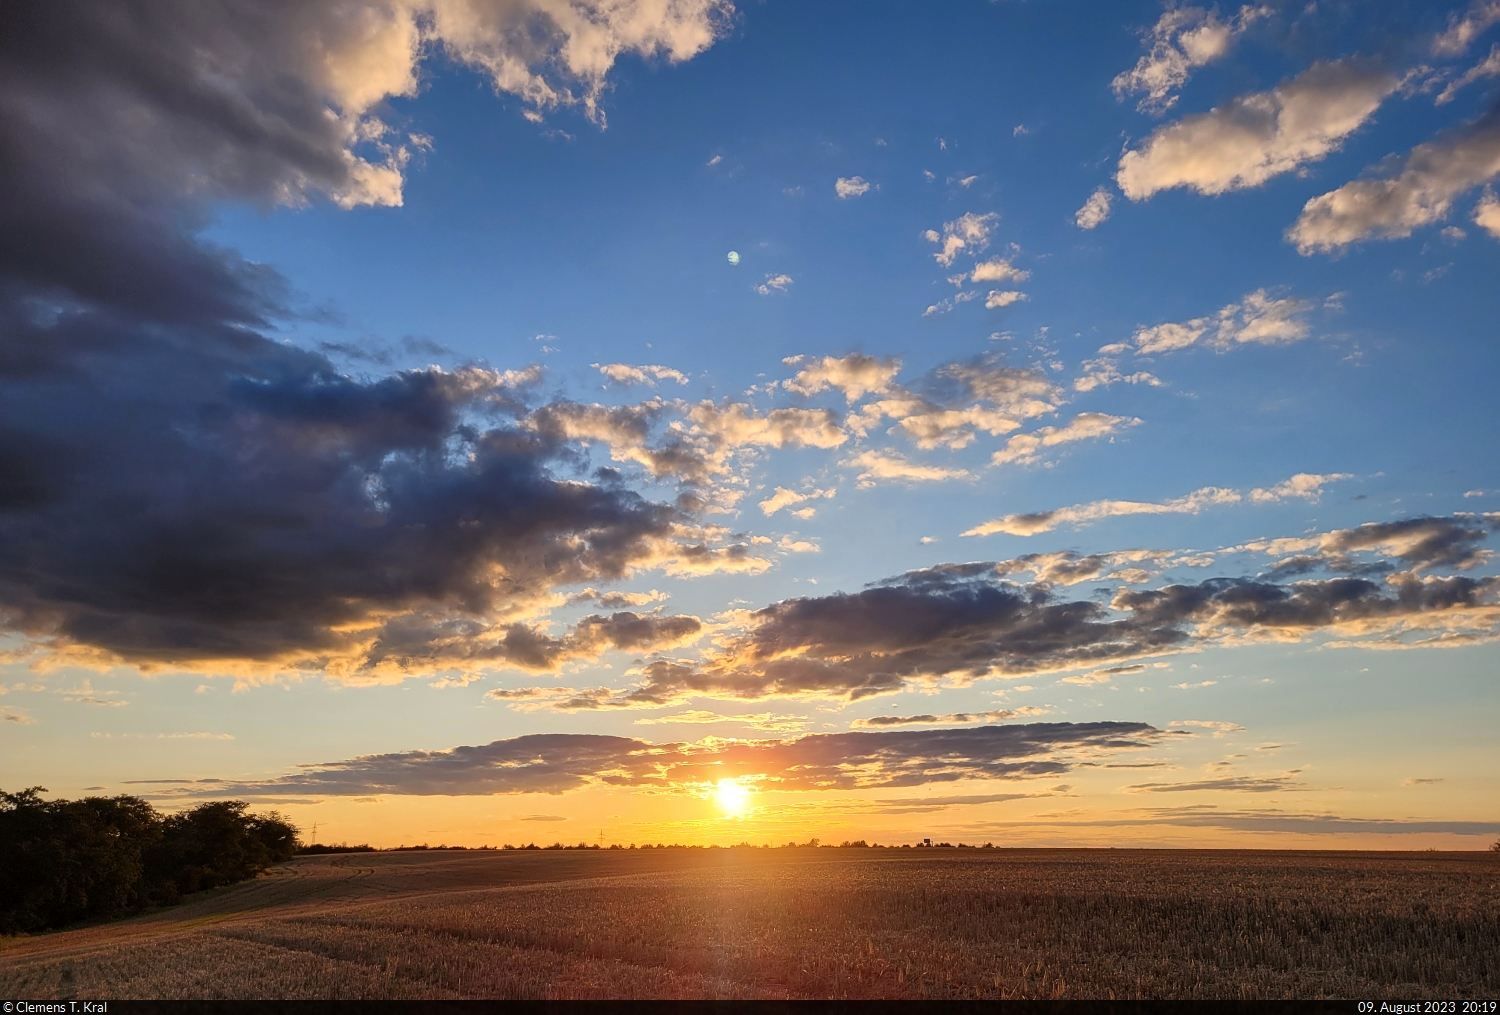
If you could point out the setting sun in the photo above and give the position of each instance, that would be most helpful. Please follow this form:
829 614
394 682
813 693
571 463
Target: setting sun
733 798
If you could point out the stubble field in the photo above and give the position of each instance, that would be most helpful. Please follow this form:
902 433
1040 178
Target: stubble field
804 923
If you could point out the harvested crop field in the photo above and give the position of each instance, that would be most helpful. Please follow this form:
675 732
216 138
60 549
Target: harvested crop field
804 923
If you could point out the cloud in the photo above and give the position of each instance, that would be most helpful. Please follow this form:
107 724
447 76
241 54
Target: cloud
957 400
1191 504
773 284
1220 729
1103 676
969 233
697 448
789 498
1102 372
205 493
944 305
927 805
1390 206
1224 784
769 722
1259 318
284 102
621 373
1463 29
738 425
1067 567
1182 38
1095 210
1420 543
952 719
618 600
85 694
1025 449
1487 215
559 762
874 465
1252 138
1304 486
16 716
952 624
851 186
425 646
855 375
1002 298
998 269
1487 68
515 42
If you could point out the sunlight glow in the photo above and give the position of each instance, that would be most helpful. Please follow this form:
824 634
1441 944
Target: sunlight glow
733 798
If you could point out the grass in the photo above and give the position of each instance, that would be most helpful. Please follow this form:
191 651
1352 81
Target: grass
805 923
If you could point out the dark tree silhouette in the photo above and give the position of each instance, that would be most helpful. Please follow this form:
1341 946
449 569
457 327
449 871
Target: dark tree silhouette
62 861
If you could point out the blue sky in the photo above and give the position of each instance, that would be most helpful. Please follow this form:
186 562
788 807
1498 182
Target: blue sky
1174 321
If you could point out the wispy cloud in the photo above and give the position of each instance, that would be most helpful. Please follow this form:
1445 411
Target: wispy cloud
773 284
968 234
1303 486
1183 38
770 722
1258 319
1219 728
1028 448
888 465
1225 784
1465 28
624 374
951 719
784 498
1095 210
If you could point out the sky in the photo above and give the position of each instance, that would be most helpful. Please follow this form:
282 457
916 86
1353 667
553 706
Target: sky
506 421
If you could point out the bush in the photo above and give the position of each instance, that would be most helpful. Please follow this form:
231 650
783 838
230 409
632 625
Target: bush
318 849
67 860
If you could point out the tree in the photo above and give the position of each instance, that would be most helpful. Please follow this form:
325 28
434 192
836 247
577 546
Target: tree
62 861
68 860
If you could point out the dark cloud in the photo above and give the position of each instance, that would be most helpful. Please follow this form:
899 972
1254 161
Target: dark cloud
1420 543
962 622
927 805
556 763
1247 605
1232 784
954 718
179 487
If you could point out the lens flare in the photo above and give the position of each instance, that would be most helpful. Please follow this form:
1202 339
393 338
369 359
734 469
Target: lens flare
734 799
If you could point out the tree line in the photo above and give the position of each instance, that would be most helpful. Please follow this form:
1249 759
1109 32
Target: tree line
62 861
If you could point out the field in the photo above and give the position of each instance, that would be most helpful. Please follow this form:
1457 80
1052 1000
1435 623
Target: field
804 923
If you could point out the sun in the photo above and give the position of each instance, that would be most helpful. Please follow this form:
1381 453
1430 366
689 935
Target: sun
734 799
